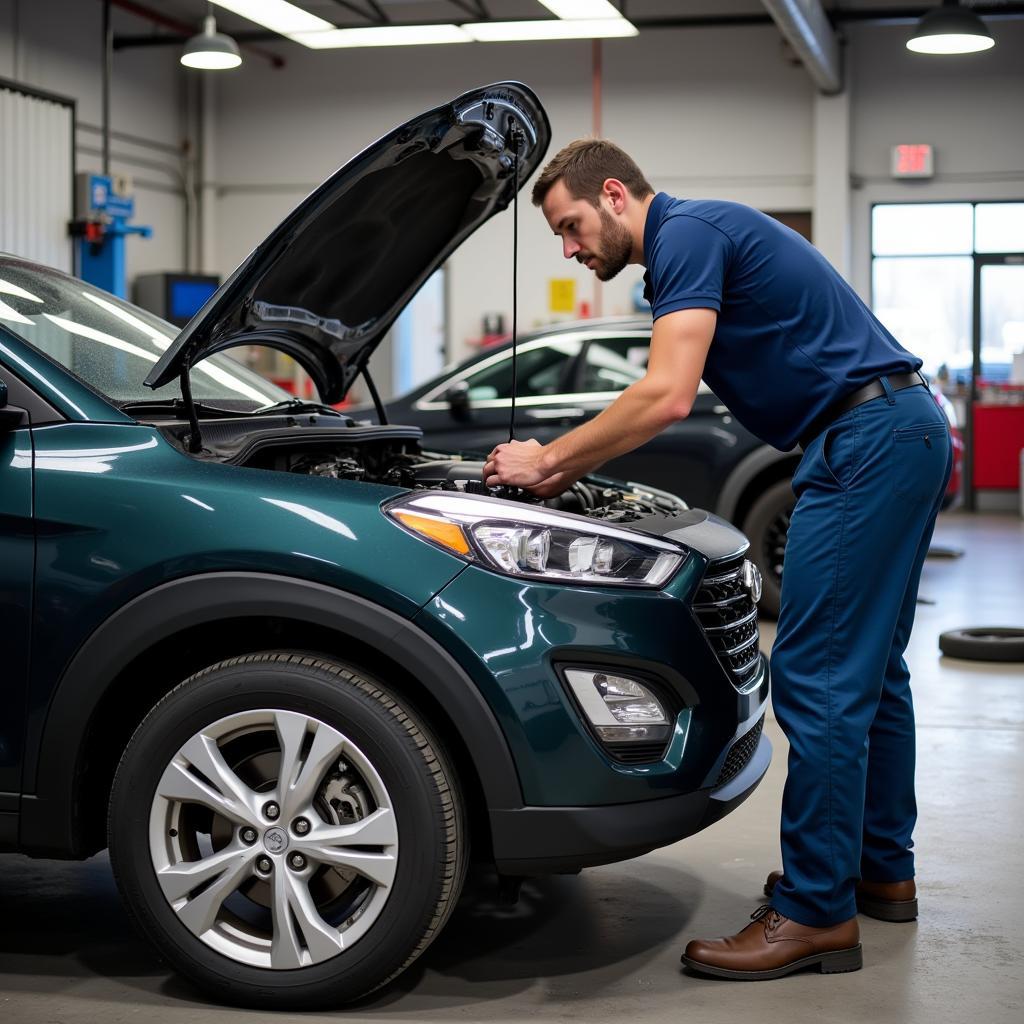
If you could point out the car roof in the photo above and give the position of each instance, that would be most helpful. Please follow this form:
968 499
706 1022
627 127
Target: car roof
599 323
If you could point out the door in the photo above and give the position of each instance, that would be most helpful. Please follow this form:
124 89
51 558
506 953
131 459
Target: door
996 417
17 547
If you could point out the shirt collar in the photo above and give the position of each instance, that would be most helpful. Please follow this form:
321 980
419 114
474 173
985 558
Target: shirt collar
654 214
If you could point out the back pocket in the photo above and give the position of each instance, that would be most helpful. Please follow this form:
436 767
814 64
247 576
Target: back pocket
920 453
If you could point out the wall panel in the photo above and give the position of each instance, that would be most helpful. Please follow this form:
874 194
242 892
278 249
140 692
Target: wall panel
36 176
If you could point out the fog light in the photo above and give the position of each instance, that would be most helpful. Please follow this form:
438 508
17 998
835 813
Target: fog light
619 708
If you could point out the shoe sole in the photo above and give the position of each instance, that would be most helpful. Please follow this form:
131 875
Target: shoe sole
887 910
881 910
841 961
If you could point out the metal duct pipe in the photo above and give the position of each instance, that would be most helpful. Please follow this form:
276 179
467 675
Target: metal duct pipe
805 26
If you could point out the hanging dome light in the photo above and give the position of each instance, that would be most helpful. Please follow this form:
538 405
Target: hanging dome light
950 29
210 50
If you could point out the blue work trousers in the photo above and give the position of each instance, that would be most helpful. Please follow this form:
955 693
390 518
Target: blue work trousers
868 490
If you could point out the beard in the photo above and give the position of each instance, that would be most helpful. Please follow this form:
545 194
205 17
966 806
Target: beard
616 248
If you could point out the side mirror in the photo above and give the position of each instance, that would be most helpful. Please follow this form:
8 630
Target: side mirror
10 417
458 401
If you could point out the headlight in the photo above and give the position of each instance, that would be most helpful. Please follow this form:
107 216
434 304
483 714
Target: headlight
524 540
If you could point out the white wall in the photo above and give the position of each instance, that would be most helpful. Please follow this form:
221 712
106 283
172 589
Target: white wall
56 45
709 112
969 107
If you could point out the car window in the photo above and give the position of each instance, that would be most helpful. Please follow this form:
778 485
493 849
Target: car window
110 344
612 364
542 370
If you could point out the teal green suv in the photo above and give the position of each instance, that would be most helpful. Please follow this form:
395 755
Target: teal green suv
294 670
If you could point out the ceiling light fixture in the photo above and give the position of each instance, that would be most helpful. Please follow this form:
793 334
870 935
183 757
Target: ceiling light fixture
576 9
950 29
277 15
577 19
576 28
210 50
382 35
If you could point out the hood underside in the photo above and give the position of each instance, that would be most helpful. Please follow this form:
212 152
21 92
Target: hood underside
331 279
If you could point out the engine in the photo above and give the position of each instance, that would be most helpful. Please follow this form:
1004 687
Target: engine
397 466
341 449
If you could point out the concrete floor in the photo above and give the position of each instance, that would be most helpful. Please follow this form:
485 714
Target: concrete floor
605 946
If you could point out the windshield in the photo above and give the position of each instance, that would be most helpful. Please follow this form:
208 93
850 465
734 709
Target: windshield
111 344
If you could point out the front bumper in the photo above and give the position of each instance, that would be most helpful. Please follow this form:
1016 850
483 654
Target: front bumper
582 803
546 840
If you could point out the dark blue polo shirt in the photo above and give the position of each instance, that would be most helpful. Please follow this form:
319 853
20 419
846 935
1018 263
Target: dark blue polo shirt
792 337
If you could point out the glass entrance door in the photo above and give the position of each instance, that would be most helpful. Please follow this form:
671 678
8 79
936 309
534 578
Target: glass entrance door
997 399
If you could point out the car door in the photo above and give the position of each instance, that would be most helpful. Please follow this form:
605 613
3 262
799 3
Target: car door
691 458
17 556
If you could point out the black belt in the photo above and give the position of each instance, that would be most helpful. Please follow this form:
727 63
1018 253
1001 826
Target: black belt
870 391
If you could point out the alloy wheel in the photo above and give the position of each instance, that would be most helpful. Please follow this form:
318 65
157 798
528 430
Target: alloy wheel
273 839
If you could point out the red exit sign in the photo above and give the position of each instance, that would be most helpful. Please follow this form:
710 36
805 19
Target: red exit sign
913 161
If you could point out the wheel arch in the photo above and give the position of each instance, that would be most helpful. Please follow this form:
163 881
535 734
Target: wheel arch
151 644
752 476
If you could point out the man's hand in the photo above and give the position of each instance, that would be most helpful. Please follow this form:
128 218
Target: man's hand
515 464
518 464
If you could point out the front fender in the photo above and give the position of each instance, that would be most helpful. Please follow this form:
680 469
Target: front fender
49 815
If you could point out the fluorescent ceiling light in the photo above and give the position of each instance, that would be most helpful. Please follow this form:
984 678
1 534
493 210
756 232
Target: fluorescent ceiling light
574 9
950 29
277 15
509 31
383 35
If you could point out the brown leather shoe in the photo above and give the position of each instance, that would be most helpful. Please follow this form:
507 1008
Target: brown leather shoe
886 901
773 946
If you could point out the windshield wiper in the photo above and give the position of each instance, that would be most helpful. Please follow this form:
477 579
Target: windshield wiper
296 405
177 406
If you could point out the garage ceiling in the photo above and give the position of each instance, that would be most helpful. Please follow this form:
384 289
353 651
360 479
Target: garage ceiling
652 13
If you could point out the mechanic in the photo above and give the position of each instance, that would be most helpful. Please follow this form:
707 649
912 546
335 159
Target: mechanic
798 358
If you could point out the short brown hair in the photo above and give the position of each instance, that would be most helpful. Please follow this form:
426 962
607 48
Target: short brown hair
585 165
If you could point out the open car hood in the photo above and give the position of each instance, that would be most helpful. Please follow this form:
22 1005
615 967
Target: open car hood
331 279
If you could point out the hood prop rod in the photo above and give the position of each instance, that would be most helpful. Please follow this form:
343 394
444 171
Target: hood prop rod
193 440
382 416
516 137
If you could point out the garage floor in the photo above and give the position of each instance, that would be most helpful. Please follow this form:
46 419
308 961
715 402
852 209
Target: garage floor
605 946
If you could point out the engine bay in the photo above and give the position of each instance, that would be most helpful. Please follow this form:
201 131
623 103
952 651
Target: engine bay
403 465
339 448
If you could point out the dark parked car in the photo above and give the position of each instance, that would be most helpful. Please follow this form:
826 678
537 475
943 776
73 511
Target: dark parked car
567 374
292 669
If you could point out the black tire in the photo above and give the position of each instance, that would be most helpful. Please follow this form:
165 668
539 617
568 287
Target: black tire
430 834
766 525
984 643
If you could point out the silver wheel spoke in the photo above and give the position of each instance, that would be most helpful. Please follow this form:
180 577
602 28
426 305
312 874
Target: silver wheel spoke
300 777
286 949
224 792
339 846
200 913
376 829
178 880
293 904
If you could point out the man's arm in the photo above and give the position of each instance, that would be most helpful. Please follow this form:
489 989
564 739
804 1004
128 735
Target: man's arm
679 349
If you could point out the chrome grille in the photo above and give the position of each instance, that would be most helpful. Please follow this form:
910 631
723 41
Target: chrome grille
742 751
726 610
